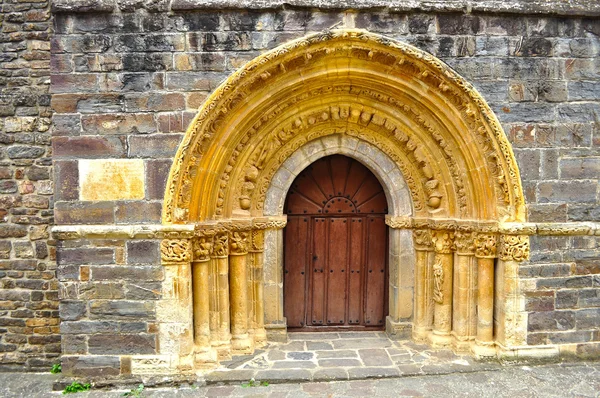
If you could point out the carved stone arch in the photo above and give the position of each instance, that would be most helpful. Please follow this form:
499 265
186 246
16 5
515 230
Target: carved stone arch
446 165
412 90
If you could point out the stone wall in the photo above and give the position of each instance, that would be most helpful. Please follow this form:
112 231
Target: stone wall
29 321
126 85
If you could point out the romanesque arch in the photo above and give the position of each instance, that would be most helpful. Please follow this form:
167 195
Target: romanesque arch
416 122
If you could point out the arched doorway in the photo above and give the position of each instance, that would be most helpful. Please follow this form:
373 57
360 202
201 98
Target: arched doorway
335 250
420 127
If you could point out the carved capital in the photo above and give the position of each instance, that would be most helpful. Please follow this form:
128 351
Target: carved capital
175 251
257 240
485 246
514 247
464 242
422 239
238 243
220 247
398 222
443 241
202 248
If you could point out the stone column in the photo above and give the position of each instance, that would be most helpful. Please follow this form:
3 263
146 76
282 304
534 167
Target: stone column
238 294
258 322
464 295
219 257
174 310
511 322
205 355
423 300
485 251
442 288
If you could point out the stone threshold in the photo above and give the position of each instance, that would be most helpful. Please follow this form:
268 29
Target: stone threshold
323 357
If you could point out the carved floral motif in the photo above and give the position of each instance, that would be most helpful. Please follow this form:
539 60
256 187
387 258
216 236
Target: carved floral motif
514 247
238 243
220 245
175 250
422 239
464 242
438 281
202 248
443 241
485 246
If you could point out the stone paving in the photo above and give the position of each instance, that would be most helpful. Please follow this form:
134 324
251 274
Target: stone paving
547 381
343 356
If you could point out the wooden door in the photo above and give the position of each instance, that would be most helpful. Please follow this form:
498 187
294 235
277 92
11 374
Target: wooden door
335 248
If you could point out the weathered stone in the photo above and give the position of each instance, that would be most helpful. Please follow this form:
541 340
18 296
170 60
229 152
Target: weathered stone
81 256
121 309
135 273
72 310
556 320
109 179
119 344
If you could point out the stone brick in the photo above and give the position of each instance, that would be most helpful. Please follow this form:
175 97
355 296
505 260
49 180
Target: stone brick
163 42
134 273
143 291
127 123
583 213
138 62
121 309
142 252
580 168
122 344
111 179
587 318
79 256
138 212
157 172
587 266
549 321
74 83
566 299
575 282
548 213
24 152
154 146
89 147
12 231
66 177
567 191
163 102
72 310
90 366
84 213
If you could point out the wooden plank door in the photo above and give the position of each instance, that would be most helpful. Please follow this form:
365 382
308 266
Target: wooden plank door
335 272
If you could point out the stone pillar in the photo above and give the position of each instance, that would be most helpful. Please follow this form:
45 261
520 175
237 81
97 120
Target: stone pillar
238 294
423 301
485 251
442 288
219 257
511 319
464 295
174 311
205 355
258 320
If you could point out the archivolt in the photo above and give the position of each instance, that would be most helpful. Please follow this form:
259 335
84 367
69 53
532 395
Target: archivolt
436 127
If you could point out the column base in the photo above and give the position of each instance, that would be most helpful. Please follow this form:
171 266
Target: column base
440 340
462 345
397 330
484 350
242 344
222 348
205 358
260 337
276 332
